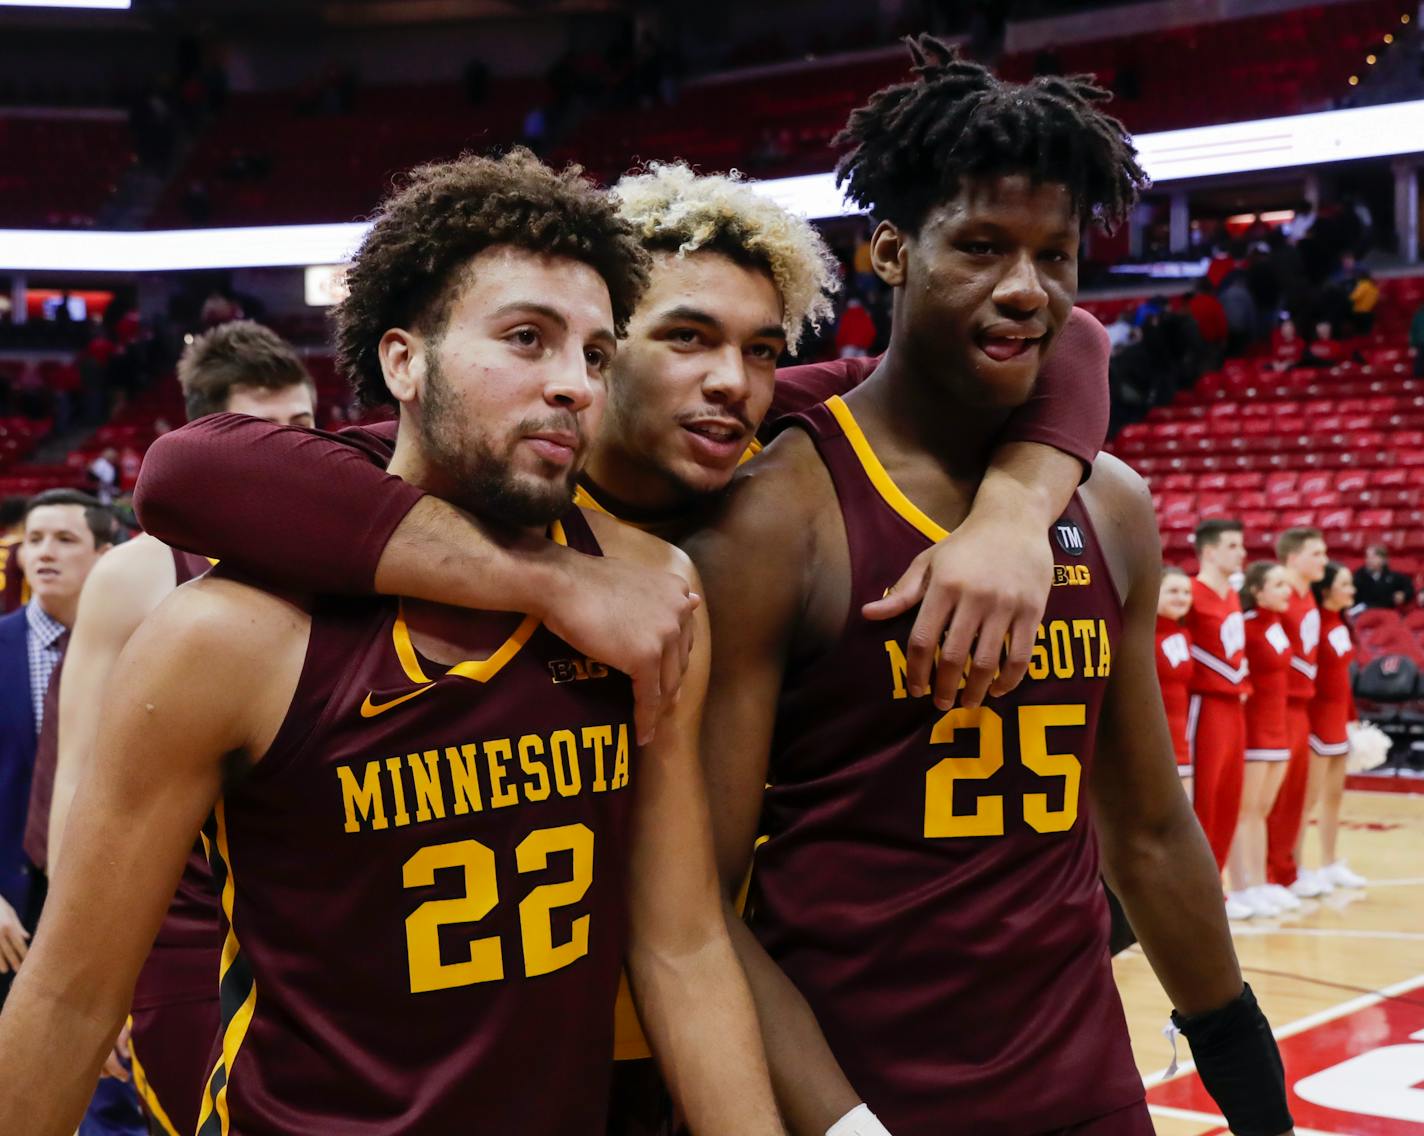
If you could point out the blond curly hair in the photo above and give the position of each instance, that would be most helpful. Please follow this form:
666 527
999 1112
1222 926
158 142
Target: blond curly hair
676 210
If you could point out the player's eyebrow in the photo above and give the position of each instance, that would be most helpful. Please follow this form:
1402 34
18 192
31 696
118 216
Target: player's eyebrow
553 315
688 314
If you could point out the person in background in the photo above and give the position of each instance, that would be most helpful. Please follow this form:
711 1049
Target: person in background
1206 309
1265 595
1331 712
12 573
104 475
1416 341
1377 584
1122 332
1301 552
65 535
1174 663
1240 308
1287 347
855 334
1364 297
1216 730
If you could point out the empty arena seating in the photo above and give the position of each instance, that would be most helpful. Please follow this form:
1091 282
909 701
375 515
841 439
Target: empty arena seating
41 157
773 122
1339 449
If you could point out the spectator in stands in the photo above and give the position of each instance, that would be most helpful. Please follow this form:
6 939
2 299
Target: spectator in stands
220 307
855 333
1287 347
1206 309
1122 332
1363 299
1416 341
1377 585
1240 308
12 573
104 475
1265 596
1222 265
1331 712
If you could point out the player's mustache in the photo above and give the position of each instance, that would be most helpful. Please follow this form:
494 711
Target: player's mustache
555 423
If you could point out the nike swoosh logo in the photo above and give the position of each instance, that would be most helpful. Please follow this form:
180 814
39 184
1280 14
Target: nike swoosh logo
371 709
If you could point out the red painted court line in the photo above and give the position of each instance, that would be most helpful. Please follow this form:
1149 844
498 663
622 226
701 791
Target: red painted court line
1372 783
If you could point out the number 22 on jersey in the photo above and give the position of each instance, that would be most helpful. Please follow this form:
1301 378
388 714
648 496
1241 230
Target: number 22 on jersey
987 819
484 961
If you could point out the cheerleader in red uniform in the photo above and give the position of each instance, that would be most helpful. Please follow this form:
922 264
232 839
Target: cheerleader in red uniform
1264 597
1331 711
1174 663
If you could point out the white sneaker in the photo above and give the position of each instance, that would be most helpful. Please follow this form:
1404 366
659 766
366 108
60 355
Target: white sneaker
1309 886
1260 901
1237 907
1340 875
1285 898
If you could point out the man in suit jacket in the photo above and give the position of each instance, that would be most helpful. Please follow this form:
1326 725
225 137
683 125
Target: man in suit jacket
65 534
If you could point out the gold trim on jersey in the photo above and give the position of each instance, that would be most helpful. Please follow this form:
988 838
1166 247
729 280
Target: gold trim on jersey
586 500
477 670
213 1119
884 485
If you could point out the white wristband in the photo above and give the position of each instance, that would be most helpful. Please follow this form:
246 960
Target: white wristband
859 1121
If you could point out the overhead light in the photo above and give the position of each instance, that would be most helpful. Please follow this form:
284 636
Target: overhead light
1370 59
108 5
1389 37
1354 80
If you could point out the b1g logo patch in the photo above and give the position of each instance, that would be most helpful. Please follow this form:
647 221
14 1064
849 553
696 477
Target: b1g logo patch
1070 538
1071 575
576 670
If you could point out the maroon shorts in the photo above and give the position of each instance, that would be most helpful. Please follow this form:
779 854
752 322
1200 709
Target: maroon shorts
175 1020
1131 1121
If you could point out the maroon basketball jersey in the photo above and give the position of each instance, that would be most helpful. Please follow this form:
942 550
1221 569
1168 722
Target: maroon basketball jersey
424 889
931 882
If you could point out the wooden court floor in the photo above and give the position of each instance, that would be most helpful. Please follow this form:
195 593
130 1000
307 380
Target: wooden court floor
1342 982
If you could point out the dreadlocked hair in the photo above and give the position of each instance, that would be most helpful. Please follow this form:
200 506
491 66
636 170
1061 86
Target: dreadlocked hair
913 142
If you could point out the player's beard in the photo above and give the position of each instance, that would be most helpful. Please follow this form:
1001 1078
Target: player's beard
482 480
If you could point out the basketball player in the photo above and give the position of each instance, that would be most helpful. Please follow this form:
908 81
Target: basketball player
426 941
1301 552
930 881
1331 713
728 265
1174 663
1216 725
1265 596
241 368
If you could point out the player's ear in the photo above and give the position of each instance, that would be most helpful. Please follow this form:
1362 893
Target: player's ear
887 253
402 355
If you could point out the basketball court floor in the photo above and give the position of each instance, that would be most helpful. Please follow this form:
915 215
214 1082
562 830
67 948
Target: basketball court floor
1342 981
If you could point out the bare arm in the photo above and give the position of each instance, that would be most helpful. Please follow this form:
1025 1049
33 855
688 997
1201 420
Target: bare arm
123 588
193 686
692 997
754 600
1155 856
1043 452
313 512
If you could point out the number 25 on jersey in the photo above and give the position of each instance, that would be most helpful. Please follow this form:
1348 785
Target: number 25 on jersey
987 819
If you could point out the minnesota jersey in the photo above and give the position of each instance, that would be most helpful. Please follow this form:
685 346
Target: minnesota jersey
930 881
1218 642
1302 624
1174 674
424 888
1268 648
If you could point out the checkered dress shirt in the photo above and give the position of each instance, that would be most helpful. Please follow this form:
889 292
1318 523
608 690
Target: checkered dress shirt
46 642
